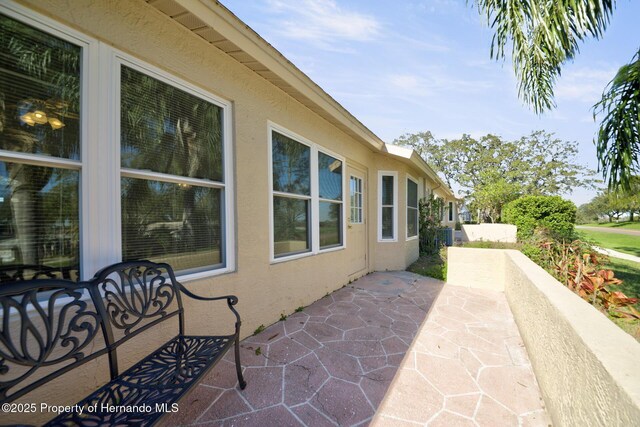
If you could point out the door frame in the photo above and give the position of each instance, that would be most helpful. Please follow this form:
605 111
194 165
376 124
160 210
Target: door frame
359 171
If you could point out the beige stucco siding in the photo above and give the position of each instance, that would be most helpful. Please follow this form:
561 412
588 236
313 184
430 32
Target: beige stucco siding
264 289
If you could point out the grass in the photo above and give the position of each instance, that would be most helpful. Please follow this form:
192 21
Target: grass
629 272
492 245
619 242
431 265
635 225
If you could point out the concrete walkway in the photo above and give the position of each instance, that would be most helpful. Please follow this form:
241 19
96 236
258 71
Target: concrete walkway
467 367
617 254
332 364
610 230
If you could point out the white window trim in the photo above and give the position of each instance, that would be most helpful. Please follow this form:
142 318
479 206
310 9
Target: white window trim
417 208
394 174
315 199
99 198
361 207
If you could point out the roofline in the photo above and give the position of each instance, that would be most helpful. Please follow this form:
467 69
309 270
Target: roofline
414 158
225 22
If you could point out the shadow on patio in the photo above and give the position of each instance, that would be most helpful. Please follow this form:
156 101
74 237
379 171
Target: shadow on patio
333 363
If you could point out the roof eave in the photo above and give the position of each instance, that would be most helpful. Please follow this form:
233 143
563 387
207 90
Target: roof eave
233 29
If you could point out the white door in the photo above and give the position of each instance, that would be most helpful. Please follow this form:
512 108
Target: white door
356 220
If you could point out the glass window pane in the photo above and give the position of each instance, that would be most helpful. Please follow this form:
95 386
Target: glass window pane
291 166
329 177
39 222
387 190
39 92
330 224
290 226
175 223
167 130
387 223
412 222
412 194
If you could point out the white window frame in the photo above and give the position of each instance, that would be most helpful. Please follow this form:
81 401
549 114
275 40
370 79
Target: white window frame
100 164
359 208
415 181
314 222
88 95
393 174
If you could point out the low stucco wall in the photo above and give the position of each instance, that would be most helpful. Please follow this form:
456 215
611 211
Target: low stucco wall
480 268
489 233
586 366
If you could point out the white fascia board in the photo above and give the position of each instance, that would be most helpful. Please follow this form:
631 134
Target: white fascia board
233 29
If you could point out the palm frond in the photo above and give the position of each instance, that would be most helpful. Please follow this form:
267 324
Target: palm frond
618 139
542 35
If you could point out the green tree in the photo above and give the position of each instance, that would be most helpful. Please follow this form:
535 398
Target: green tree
542 36
491 196
609 204
492 171
632 197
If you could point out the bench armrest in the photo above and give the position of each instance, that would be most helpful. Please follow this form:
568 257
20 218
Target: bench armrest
231 301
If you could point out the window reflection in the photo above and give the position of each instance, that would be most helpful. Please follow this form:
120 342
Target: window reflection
39 222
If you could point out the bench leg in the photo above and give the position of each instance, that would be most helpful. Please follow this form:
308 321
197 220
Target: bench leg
241 380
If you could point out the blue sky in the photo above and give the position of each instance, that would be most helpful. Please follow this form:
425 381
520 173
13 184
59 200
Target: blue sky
409 66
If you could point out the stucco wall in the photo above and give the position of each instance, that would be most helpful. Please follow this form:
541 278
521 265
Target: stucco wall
399 254
489 233
586 366
476 267
264 289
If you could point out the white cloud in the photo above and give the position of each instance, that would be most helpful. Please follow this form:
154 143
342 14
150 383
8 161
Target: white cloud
323 22
436 79
583 84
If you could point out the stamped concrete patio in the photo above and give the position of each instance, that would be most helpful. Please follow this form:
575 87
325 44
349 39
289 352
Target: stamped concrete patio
333 363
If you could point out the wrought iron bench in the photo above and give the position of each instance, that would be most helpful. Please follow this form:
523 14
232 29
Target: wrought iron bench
52 326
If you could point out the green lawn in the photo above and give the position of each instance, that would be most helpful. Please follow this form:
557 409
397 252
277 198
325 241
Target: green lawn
635 225
629 272
619 242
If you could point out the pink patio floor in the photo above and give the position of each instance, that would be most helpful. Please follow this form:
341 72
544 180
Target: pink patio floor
332 364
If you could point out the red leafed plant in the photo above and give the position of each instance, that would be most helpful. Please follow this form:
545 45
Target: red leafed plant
577 266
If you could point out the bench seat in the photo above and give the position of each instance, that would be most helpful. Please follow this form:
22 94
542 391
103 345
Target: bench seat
160 378
59 325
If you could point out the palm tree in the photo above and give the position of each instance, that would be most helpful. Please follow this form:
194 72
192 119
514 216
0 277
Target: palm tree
543 35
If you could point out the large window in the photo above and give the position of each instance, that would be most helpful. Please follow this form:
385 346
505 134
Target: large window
412 208
307 196
95 170
330 200
388 203
172 174
291 175
40 144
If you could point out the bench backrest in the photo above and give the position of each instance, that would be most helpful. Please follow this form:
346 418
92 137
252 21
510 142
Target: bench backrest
51 326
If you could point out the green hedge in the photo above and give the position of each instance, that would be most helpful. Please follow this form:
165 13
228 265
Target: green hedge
531 212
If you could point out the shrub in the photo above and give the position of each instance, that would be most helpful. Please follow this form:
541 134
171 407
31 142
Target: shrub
529 213
576 265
